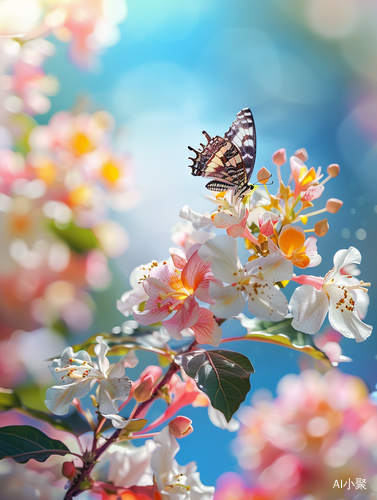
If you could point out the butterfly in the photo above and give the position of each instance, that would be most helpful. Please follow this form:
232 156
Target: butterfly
229 160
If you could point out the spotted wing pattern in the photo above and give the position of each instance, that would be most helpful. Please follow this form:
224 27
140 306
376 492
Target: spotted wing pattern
229 160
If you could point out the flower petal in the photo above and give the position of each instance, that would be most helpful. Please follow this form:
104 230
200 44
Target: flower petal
344 258
291 239
346 321
178 257
267 304
221 251
131 299
59 397
101 350
206 329
229 300
196 276
218 419
311 251
198 220
111 390
185 317
309 308
223 220
117 421
271 269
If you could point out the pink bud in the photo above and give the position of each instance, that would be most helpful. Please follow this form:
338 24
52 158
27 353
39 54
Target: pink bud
69 470
279 157
145 389
333 205
180 427
301 154
266 223
321 227
313 192
179 259
153 370
333 170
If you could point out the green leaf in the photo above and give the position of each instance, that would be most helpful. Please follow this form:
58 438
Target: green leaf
79 239
8 400
133 426
23 442
222 375
73 423
281 333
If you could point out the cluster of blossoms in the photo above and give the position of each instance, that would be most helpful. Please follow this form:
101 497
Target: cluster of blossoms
57 236
187 297
210 271
317 439
58 181
90 27
24 26
147 471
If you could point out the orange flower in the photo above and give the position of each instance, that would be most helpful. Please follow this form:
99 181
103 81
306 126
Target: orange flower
295 248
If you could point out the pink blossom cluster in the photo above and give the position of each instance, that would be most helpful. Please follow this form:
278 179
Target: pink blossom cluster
89 26
273 228
318 434
54 217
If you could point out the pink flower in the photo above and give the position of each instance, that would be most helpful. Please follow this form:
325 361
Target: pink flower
266 223
171 290
303 177
313 192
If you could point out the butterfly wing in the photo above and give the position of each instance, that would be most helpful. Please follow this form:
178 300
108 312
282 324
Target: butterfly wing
229 160
242 135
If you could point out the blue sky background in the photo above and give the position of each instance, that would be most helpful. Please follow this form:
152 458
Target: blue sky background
181 67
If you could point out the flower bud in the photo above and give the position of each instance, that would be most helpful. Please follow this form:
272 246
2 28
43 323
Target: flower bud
263 175
301 154
333 205
145 389
279 157
180 427
333 170
69 470
321 227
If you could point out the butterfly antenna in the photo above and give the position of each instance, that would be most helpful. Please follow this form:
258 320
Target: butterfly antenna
197 154
208 137
263 183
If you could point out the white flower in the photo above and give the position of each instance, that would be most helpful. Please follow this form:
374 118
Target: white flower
255 280
174 481
126 465
76 374
199 221
337 295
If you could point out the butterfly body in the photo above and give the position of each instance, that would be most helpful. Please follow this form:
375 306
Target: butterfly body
229 160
